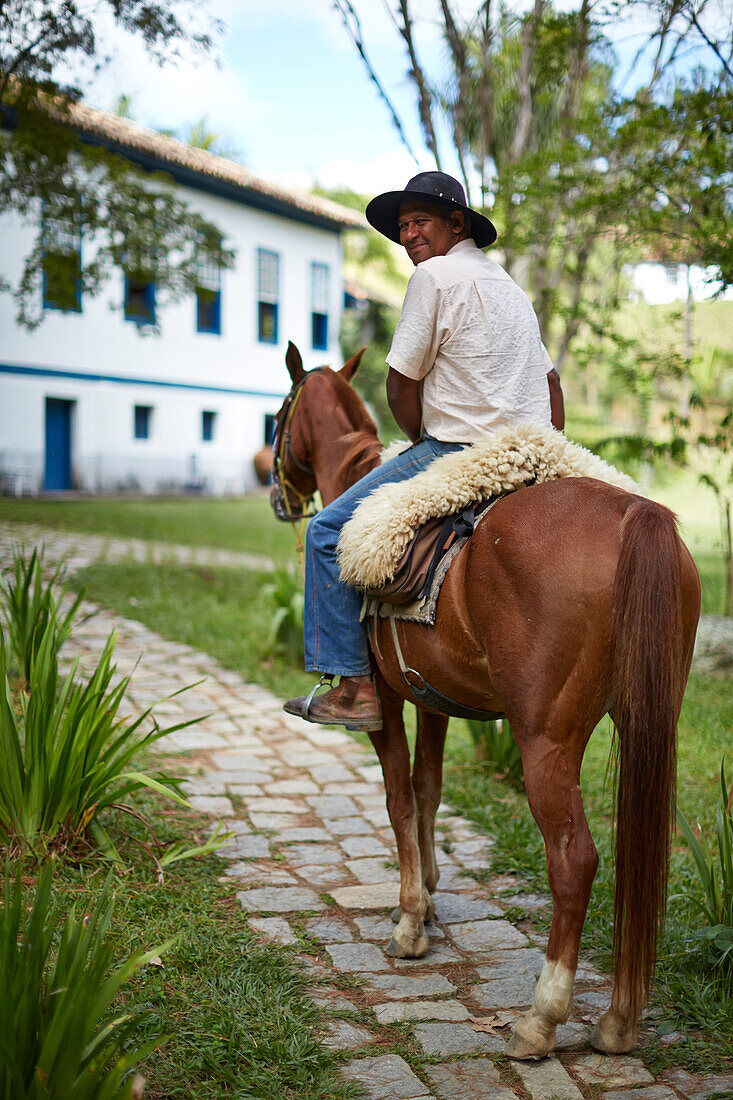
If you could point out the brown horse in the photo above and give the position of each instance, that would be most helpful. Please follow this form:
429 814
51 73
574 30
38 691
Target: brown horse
573 599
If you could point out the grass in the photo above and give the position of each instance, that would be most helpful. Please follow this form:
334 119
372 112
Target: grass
241 523
226 616
223 612
247 523
226 1016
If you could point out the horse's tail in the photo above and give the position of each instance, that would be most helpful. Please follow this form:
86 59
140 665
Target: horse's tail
650 673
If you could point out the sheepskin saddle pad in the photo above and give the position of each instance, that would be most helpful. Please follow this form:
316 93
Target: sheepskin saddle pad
379 532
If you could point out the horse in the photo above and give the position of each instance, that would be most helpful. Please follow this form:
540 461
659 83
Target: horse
573 599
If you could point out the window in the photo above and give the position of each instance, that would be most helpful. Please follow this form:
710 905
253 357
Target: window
208 420
143 417
268 287
61 264
671 274
139 299
208 294
319 306
270 423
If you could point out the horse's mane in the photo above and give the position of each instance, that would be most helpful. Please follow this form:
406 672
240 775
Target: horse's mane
362 444
362 455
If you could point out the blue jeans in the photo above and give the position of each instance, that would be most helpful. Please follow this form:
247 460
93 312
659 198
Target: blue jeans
335 640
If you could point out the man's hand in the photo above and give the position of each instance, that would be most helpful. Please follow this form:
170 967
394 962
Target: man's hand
557 401
405 403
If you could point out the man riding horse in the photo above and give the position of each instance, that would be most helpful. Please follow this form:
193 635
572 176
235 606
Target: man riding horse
467 358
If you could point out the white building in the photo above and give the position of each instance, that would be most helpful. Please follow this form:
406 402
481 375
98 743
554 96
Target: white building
668 282
89 401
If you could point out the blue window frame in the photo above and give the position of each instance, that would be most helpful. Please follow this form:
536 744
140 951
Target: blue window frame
208 311
268 294
320 279
208 293
320 331
208 421
61 256
270 424
142 421
139 299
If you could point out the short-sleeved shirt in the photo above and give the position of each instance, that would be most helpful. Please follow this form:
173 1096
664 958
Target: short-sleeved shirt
471 335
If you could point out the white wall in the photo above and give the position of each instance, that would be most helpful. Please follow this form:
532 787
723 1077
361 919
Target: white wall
99 341
662 284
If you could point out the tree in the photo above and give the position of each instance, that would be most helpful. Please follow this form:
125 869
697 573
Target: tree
532 110
370 260
53 180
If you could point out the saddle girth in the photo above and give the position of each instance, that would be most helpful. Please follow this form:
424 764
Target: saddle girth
428 696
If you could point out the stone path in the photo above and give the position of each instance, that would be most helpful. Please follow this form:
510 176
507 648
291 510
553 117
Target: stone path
312 857
78 551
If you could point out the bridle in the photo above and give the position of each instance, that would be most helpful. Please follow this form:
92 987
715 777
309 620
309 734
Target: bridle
285 497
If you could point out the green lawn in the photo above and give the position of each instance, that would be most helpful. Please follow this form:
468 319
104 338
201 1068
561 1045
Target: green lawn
226 1015
229 523
226 614
248 524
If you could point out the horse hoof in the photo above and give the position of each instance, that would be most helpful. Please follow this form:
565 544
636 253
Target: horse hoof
532 1038
612 1035
414 949
521 1050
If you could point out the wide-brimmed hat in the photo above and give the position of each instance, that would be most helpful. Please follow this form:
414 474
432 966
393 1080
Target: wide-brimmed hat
435 187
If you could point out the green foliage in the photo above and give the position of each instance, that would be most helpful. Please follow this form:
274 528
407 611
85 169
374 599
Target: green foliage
136 219
495 745
30 605
285 595
710 454
64 760
716 904
57 1036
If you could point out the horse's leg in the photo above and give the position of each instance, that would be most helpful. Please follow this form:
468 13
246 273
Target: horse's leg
551 775
427 782
409 939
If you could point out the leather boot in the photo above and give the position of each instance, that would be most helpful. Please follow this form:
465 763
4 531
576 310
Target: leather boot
349 704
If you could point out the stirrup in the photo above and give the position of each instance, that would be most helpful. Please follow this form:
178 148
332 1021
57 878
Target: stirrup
326 678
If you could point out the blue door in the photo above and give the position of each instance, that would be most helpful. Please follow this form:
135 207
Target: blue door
58 445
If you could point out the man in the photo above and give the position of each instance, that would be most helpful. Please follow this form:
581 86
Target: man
467 358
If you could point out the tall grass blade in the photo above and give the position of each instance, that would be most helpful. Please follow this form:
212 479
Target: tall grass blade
57 1036
66 758
716 878
29 604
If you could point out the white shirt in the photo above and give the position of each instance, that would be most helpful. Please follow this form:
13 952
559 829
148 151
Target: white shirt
471 335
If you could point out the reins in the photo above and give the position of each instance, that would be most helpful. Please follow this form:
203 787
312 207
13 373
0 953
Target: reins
286 497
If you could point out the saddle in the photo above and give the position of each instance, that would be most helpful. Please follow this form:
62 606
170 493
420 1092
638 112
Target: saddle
417 568
412 594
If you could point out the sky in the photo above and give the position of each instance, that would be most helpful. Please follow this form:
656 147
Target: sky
287 90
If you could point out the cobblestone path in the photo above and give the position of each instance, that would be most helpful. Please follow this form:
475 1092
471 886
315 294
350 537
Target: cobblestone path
313 861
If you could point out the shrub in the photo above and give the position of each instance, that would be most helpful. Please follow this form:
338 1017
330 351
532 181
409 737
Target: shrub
285 593
65 753
716 903
57 1036
30 605
494 743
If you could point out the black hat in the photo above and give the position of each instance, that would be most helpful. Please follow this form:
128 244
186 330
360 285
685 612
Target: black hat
441 189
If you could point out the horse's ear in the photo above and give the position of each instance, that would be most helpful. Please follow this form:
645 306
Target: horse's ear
350 368
294 362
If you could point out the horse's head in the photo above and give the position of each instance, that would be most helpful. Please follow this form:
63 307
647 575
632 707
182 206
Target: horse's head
314 395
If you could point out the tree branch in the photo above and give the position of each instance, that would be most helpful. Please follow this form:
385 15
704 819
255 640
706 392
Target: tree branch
425 98
529 48
346 10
